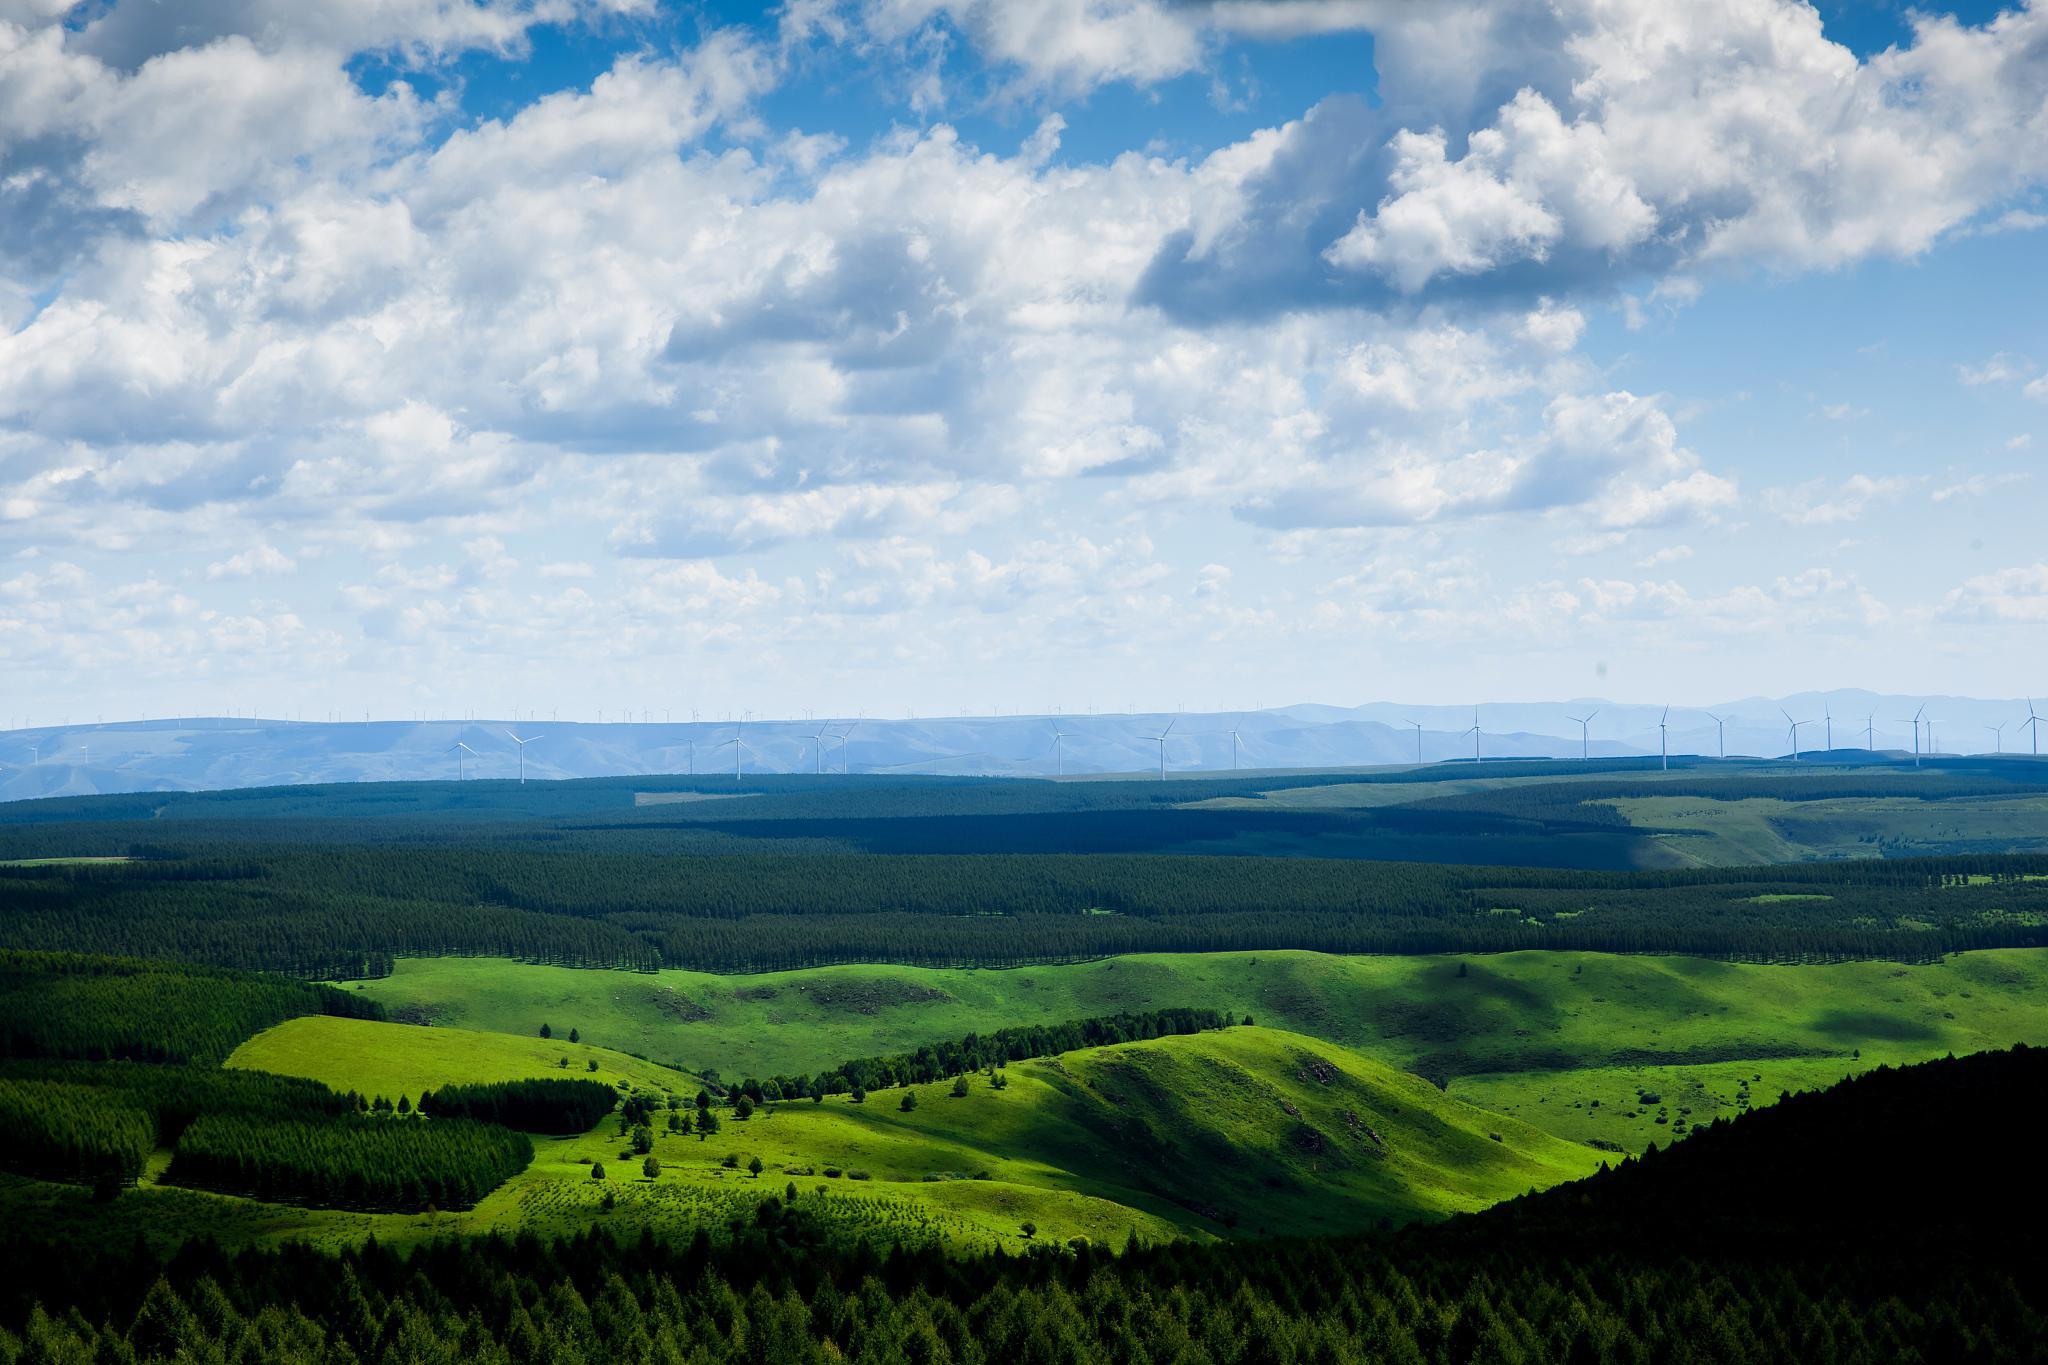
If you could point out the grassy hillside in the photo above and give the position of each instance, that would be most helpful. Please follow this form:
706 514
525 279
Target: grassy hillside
1250 1131
1706 832
375 1058
1516 1030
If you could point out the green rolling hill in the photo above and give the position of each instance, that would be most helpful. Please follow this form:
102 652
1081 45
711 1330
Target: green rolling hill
1536 1034
1241 1132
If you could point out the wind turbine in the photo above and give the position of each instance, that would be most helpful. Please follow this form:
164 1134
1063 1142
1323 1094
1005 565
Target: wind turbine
1418 740
1720 734
818 739
1795 724
1160 739
2033 723
1474 732
1664 742
1870 732
1585 745
1233 748
1915 718
1998 738
522 743
1829 716
1059 754
739 748
459 750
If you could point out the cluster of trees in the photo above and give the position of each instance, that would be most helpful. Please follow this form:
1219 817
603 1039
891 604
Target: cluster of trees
95 1123
100 1008
981 1052
547 1106
350 1163
73 1133
1785 1236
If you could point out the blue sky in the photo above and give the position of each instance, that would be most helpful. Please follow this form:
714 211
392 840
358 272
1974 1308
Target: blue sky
944 355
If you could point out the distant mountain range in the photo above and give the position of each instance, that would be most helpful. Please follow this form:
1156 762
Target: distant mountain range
222 752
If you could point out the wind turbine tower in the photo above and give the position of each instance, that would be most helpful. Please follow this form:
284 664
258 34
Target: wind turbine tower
1059 753
1795 724
462 752
1997 738
1828 716
1474 732
2033 723
739 748
1585 744
818 761
522 743
1664 741
1720 734
1418 740
1160 739
1916 732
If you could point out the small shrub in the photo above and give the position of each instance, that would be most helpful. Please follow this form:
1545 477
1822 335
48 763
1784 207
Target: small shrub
908 1102
651 1168
831 1172
597 1170
858 1175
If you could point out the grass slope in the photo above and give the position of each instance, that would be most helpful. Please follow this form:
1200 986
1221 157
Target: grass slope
374 1058
1531 1033
1252 1130
1762 830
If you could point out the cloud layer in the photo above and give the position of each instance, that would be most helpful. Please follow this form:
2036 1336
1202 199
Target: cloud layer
309 333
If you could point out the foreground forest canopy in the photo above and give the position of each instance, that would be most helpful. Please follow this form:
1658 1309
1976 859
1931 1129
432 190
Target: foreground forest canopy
1758 1238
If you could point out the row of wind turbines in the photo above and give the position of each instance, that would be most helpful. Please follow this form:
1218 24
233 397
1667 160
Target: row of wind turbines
1918 719
824 737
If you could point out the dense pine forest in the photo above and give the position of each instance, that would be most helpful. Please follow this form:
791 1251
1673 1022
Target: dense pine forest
1792 1234
335 913
98 1008
352 1162
100 1120
544 1106
95 1122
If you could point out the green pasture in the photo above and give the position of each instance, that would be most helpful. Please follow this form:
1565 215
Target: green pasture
1760 830
373 1058
1523 1014
1249 1130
